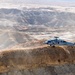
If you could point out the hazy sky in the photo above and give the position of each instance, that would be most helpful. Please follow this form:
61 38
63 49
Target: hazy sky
39 1
36 1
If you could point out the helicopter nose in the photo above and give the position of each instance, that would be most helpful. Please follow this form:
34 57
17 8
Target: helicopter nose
46 42
74 43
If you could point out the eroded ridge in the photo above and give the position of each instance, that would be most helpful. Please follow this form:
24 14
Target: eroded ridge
29 58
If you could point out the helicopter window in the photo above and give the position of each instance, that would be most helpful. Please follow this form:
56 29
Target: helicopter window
49 41
63 41
58 42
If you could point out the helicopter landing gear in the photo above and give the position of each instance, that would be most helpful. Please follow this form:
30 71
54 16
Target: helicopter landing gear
52 46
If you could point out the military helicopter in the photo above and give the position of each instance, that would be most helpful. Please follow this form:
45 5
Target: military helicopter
57 41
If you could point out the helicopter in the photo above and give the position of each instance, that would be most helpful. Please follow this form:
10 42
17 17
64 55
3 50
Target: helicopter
60 42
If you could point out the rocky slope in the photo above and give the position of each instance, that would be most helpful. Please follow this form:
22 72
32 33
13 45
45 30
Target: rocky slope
53 61
50 16
9 39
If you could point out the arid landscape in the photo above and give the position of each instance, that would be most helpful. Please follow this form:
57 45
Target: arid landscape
23 32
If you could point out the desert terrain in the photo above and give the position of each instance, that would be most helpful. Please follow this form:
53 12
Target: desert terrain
23 32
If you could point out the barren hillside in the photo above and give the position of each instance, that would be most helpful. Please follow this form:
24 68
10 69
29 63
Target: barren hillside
18 60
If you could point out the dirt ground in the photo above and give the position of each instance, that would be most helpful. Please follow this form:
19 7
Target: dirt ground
30 58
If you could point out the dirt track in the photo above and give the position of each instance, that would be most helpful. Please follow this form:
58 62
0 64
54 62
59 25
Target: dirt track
35 57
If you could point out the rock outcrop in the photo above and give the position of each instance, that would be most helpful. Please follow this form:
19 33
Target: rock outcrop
36 59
